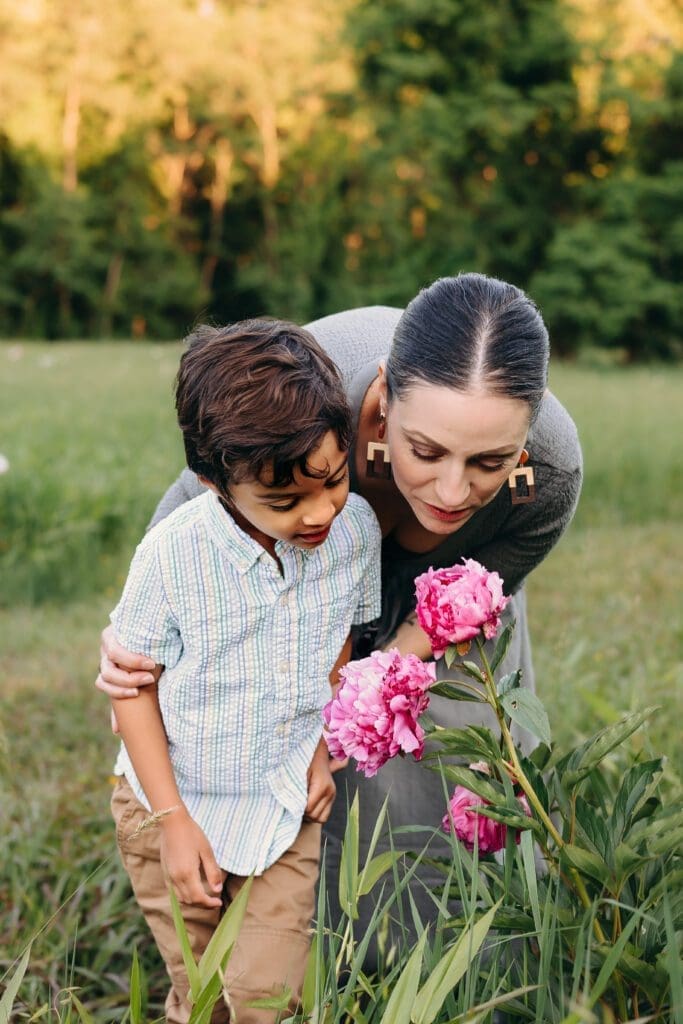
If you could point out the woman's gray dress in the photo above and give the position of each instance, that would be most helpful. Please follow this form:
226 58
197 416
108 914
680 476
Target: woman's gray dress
511 539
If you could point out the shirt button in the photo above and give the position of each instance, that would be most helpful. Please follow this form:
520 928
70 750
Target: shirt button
279 729
283 666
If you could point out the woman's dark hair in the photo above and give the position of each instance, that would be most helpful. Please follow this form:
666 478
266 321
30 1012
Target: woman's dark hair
471 332
257 393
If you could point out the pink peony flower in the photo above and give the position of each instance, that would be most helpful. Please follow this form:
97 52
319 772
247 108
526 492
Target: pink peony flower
455 605
374 715
464 819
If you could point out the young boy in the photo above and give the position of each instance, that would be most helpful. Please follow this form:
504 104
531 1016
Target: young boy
244 598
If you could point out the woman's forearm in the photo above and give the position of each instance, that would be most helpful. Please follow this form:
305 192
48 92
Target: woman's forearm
142 730
410 638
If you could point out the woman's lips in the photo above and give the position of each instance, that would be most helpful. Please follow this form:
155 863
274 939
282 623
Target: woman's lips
447 516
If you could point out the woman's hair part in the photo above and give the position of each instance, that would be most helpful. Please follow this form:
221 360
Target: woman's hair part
470 333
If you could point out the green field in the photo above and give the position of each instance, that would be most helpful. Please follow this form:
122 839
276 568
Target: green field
88 430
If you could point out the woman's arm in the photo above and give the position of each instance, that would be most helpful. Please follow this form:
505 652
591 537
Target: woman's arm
121 670
185 851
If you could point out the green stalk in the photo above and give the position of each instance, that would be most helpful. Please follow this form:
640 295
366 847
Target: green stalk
530 793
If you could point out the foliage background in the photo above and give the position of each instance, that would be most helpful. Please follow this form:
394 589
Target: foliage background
161 161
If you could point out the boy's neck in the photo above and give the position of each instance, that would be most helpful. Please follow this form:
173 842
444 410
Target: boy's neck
266 542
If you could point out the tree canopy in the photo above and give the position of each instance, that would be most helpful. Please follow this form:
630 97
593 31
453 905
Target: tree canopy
162 162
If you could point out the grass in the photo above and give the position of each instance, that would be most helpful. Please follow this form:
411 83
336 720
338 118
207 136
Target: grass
89 435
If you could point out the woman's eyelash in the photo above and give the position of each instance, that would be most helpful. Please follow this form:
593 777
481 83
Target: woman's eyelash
423 456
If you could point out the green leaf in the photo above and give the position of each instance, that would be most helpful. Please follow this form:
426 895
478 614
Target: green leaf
626 862
454 692
612 961
10 993
574 767
348 868
673 963
403 994
526 710
473 670
224 938
593 828
474 742
188 955
501 648
450 969
84 1016
509 682
633 792
540 756
476 782
586 862
375 868
135 1001
275 1002
202 1010
529 864
449 656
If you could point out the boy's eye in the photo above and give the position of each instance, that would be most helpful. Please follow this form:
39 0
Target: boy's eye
284 508
329 484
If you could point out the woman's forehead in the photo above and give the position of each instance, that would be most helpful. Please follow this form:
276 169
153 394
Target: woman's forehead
475 419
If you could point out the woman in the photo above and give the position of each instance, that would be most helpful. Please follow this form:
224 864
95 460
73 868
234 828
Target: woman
450 415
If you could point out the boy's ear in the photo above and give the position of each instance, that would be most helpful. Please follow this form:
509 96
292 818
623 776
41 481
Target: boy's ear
207 483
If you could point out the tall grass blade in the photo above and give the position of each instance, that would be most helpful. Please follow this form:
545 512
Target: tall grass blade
401 1000
225 936
186 949
450 969
135 1001
348 868
10 993
672 961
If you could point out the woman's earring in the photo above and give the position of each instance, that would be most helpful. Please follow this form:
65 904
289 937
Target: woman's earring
521 482
377 454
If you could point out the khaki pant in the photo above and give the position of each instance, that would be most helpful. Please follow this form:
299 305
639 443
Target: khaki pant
272 948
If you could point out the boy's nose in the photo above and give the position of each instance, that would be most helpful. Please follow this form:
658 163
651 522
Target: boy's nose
319 512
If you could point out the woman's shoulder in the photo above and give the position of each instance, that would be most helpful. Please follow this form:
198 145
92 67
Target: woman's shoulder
554 439
353 337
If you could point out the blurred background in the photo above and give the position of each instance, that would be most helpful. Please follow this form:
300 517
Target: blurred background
164 161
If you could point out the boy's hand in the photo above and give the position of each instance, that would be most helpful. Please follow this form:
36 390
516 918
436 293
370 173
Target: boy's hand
187 856
321 787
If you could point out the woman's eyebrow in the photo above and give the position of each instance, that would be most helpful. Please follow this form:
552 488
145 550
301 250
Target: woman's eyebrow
417 435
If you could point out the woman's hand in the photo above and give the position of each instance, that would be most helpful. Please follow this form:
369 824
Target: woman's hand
189 861
122 672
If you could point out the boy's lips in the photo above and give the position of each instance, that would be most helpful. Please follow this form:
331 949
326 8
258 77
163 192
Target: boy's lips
315 536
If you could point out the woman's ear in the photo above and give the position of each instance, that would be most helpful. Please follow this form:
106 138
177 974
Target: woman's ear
382 390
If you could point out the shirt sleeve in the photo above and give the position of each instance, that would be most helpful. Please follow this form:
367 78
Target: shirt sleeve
369 606
143 620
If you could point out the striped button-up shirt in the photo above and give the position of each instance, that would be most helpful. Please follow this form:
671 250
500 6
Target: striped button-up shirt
247 651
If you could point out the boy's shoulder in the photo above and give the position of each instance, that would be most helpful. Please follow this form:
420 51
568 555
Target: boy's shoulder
182 521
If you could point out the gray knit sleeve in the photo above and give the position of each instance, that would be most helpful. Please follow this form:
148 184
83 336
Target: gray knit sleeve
186 487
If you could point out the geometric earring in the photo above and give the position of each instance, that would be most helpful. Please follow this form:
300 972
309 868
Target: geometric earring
377 455
521 482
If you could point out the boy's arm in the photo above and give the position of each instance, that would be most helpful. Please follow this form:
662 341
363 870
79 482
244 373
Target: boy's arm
321 787
185 850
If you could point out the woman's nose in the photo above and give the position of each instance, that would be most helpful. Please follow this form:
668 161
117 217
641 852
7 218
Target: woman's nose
452 487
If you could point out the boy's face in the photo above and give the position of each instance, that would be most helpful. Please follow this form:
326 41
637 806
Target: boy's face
300 513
